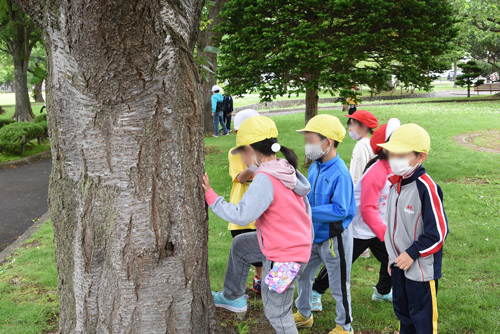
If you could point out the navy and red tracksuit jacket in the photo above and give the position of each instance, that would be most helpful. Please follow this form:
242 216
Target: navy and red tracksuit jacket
417 224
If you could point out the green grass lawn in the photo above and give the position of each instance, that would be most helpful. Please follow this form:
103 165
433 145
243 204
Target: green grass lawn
28 287
9 111
438 86
9 99
469 292
367 104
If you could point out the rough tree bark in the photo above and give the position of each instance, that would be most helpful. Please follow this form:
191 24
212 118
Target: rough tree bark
209 37
125 124
312 99
23 112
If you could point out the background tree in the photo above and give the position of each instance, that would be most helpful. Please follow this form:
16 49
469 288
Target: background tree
125 126
19 35
480 30
210 38
469 77
6 71
283 47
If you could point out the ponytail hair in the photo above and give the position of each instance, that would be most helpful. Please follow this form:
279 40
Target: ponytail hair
290 156
380 156
264 147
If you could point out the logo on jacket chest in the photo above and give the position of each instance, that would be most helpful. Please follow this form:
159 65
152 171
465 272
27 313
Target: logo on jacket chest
409 209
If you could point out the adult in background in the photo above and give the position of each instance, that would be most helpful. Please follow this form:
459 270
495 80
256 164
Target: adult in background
218 110
228 111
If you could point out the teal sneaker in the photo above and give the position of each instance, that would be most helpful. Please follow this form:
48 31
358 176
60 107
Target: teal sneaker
382 298
316 304
238 305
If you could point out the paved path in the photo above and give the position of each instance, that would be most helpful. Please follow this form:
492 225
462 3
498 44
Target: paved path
23 197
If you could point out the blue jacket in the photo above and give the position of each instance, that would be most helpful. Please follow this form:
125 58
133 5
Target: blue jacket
216 98
332 198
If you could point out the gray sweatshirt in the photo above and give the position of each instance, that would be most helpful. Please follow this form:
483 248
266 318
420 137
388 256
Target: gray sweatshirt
256 200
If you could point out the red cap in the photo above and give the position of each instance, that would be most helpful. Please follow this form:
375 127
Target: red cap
378 137
365 117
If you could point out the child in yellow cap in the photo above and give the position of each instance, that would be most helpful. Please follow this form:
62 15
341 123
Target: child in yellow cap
333 207
416 230
242 176
276 200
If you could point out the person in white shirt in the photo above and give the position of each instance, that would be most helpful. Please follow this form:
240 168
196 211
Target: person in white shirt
361 126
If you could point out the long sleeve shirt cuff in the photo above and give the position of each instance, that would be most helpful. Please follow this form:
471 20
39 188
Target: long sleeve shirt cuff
211 196
413 252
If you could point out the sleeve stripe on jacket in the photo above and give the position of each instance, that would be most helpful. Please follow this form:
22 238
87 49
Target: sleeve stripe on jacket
437 208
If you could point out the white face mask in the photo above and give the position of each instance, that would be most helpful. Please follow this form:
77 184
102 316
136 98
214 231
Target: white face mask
314 151
354 135
401 166
255 164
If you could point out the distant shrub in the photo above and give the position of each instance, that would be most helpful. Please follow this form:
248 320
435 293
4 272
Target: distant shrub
42 120
11 135
6 121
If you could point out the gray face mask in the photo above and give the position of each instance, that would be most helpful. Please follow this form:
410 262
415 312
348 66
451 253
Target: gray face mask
314 151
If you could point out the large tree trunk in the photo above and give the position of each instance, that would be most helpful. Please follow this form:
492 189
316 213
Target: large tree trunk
23 112
209 37
125 124
312 99
38 92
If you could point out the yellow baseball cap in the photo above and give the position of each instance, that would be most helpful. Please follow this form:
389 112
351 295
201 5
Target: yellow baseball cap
326 125
408 138
253 130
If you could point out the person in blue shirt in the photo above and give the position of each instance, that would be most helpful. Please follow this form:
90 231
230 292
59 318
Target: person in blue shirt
218 110
333 207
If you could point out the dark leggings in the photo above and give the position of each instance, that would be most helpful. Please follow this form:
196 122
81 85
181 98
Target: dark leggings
234 233
227 120
378 249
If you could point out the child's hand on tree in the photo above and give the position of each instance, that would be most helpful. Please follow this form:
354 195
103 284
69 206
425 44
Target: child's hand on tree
206 183
404 261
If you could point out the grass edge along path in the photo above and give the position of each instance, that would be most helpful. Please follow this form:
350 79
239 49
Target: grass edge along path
29 302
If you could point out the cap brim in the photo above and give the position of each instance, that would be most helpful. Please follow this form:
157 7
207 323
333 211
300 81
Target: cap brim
396 148
301 131
350 116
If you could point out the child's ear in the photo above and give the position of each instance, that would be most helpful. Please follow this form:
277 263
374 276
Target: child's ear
422 157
